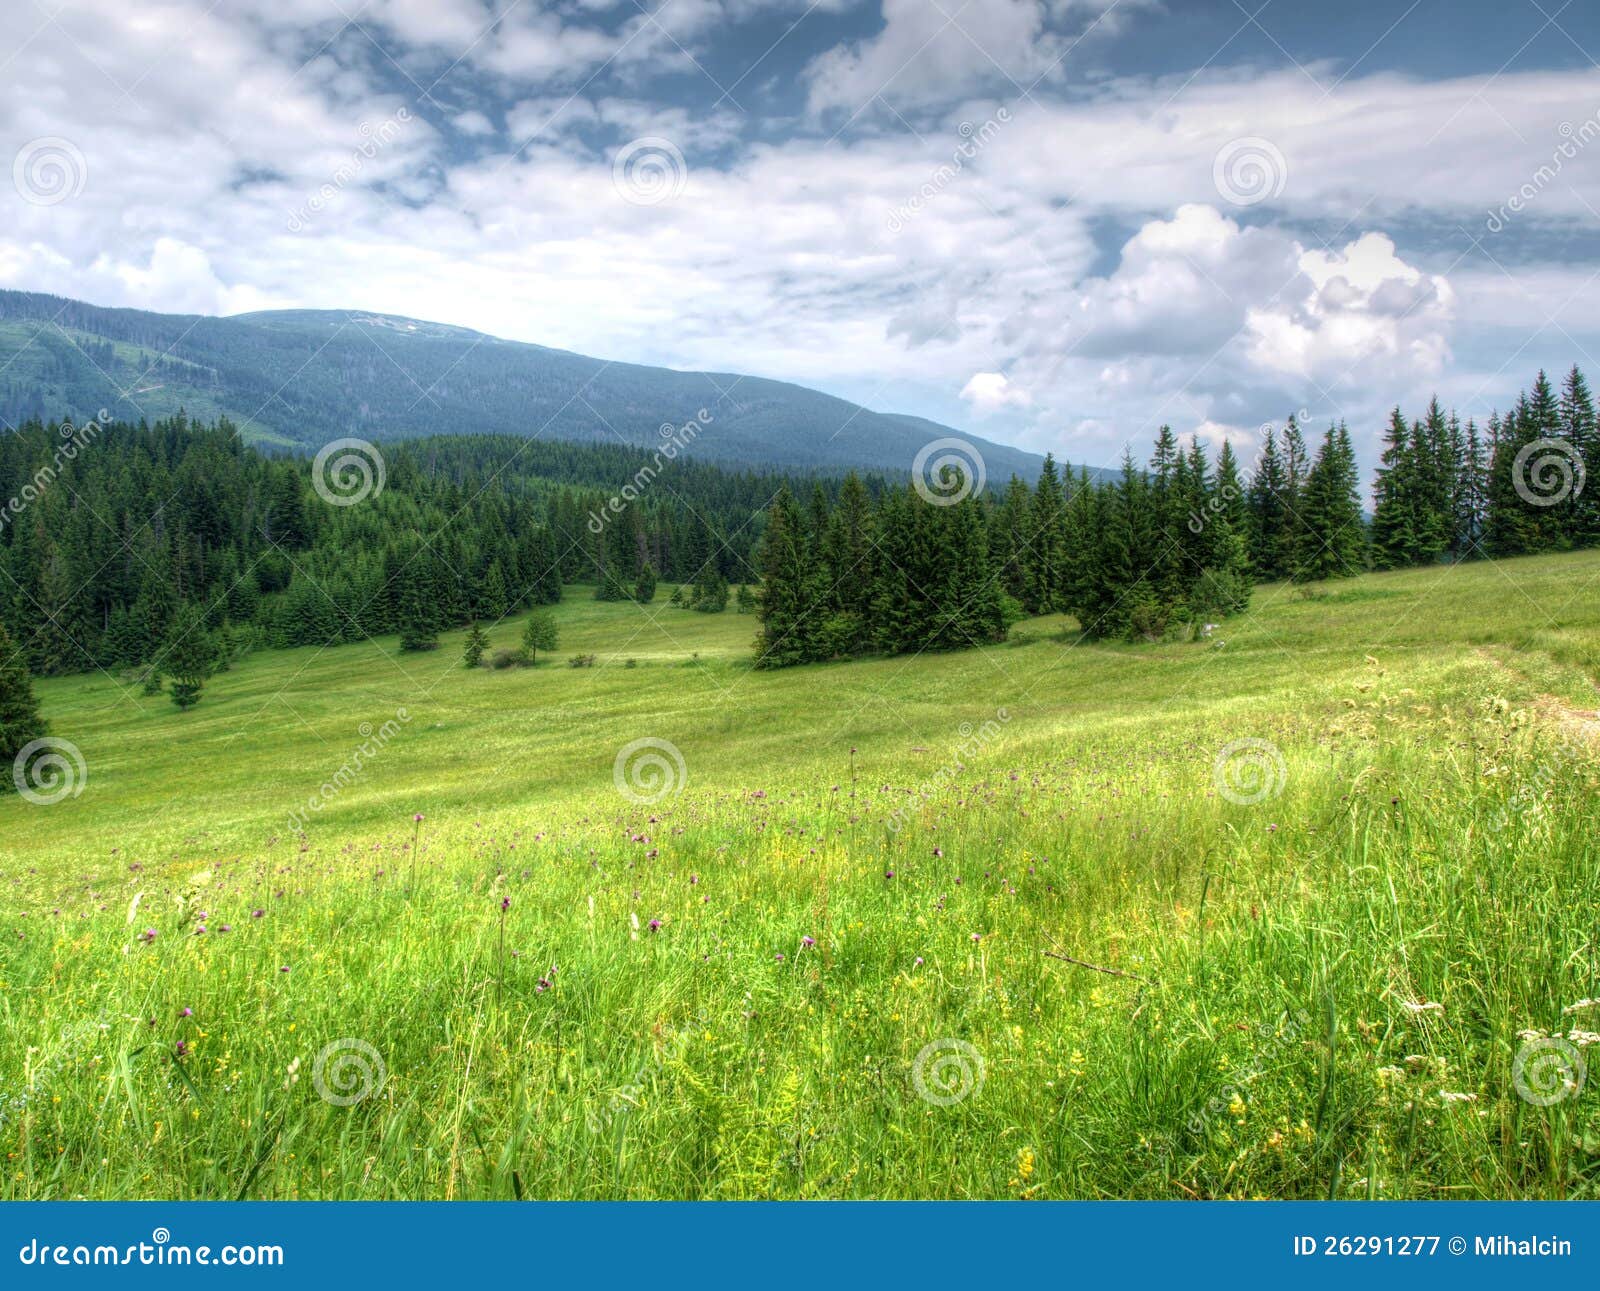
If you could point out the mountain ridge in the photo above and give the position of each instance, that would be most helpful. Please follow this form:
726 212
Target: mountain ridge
295 379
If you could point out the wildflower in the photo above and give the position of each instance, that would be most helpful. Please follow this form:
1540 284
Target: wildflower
147 936
181 1048
186 1012
917 962
655 925
808 942
977 936
888 874
505 904
938 851
417 818
1583 1039
1425 1006
1581 1004
543 986
780 957
1450 1096
227 927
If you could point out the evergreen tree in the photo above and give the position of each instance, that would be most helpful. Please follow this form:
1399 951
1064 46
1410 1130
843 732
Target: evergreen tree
644 591
1332 540
476 644
1268 517
20 722
417 622
1044 558
189 657
1394 538
785 577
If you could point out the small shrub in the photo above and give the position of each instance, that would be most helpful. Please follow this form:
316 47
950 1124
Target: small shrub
504 659
581 661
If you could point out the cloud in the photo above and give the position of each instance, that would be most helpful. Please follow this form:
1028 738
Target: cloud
929 53
1075 281
988 392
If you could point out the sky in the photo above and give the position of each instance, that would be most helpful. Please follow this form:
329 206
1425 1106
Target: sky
1054 223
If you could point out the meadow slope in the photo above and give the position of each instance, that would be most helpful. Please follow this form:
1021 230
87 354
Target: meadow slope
1340 864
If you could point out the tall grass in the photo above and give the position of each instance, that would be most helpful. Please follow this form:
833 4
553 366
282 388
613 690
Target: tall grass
754 986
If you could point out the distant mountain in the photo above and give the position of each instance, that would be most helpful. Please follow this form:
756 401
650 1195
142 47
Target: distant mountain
299 378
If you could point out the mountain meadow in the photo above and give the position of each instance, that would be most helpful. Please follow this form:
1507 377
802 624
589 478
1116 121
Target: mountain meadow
1276 914
480 817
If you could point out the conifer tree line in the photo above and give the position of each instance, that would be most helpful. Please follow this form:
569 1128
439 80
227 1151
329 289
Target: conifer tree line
1523 484
104 554
1172 543
108 556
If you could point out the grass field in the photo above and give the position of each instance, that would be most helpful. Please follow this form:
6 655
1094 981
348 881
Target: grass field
1341 865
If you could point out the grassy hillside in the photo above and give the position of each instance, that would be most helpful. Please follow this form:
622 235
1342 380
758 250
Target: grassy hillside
1327 948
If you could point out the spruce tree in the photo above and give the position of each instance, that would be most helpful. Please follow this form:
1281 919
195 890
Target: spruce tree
20 722
416 614
1394 541
1044 556
476 644
1268 519
1332 538
189 657
784 577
